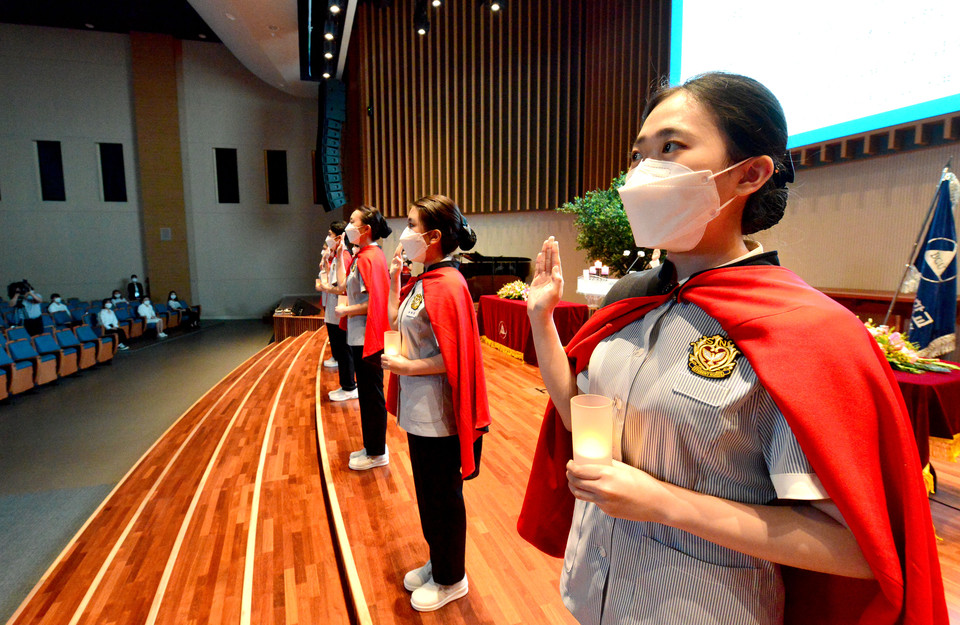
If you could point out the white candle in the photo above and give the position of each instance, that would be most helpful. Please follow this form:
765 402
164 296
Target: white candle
604 271
391 343
586 273
591 419
342 300
593 271
598 264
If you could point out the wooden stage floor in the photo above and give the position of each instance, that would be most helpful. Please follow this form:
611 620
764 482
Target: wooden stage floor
234 517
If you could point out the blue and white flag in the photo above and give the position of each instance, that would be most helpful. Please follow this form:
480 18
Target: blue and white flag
933 322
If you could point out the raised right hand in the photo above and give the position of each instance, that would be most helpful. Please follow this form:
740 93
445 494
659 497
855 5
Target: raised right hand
545 291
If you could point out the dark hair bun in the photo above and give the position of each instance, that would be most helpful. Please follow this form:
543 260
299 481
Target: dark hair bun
466 237
384 230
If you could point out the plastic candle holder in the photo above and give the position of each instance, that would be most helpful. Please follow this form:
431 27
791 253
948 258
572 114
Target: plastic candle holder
591 418
391 343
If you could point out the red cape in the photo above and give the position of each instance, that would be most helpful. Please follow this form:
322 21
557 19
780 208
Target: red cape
372 266
840 398
454 323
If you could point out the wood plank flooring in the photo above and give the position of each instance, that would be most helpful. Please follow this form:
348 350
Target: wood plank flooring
176 541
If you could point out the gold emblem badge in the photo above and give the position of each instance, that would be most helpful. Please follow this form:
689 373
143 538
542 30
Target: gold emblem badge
713 356
417 301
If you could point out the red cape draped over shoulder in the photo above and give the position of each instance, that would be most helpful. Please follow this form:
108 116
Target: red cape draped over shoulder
835 389
454 323
372 266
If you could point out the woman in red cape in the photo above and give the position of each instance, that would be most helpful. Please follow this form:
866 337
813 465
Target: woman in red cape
437 390
764 470
365 316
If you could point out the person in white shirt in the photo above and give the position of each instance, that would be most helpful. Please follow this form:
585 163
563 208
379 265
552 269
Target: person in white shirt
109 324
191 318
57 304
145 310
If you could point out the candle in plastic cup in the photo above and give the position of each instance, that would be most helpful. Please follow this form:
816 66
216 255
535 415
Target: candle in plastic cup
342 300
591 418
391 343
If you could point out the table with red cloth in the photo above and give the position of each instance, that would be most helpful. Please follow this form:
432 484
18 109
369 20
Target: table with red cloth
933 401
505 322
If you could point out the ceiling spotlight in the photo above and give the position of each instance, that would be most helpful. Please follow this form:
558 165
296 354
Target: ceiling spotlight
329 31
495 6
421 21
334 6
328 48
437 3
326 75
202 36
88 25
230 16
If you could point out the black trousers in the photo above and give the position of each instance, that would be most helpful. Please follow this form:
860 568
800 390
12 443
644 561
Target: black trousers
436 476
341 353
373 405
117 332
33 326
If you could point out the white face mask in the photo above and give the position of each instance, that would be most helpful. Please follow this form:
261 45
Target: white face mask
146 302
133 279
414 245
56 300
669 205
108 305
352 232
173 297
331 243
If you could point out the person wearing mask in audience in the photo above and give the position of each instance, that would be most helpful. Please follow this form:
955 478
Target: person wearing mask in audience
763 470
147 313
332 283
56 304
368 285
28 311
135 289
438 390
109 324
118 297
190 318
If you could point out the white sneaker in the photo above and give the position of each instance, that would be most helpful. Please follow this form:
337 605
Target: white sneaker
122 346
162 335
357 454
365 462
342 395
418 577
330 363
432 596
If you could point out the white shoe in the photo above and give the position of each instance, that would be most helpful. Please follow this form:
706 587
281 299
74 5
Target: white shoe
418 577
365 462
357 454
162 335
330 363
342 395
122 346
432 596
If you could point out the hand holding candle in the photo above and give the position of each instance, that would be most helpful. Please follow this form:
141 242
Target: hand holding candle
591 420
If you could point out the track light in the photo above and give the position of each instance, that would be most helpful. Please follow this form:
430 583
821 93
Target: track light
421 21
334 6
329 31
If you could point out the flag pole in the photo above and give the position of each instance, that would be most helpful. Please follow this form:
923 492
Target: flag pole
916 245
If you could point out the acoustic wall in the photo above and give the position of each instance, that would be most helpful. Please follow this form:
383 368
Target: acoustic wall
511 111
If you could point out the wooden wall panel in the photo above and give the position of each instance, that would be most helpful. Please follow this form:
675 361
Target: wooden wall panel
512 111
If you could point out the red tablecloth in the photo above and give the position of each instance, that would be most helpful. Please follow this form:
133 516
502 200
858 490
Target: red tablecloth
933 401
505 321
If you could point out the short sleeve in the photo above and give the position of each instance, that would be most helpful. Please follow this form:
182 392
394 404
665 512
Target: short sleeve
790 471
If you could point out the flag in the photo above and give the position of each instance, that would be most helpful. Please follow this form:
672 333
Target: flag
934 318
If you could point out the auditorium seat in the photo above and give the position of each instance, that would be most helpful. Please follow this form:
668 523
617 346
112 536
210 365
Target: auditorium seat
48 324
44 366
68 357
105 347
77 313
171 318
133 326
17 333
19 375
87 355
62 319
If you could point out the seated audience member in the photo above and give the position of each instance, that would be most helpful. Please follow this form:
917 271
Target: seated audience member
26 302
146 311
109 324
135 289
56 305
190 316
117 297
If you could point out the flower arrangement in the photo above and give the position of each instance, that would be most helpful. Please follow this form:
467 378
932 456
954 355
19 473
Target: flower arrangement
514 290
902 354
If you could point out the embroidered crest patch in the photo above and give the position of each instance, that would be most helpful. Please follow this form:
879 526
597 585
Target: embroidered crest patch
417 301
713 356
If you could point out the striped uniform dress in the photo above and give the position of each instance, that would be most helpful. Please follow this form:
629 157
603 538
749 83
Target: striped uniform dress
719 436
